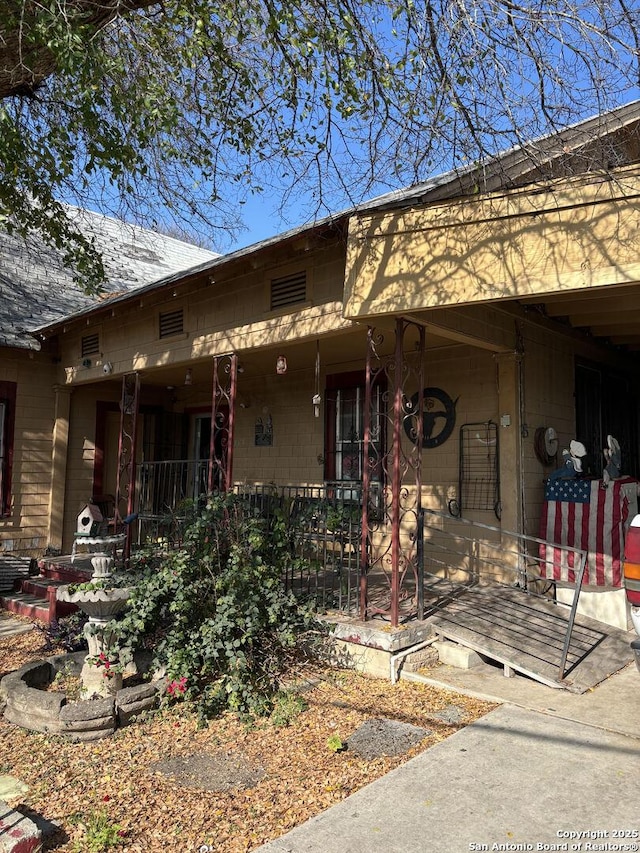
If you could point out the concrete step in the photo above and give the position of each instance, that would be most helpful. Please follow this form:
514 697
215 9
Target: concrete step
24 604
36 603
34 596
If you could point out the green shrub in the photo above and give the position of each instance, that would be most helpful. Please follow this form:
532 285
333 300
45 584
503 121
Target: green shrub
223 626
286 707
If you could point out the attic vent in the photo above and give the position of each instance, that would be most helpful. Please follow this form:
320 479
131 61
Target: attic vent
288 290
90 345
171 323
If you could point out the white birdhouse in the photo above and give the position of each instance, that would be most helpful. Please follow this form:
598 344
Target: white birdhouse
89 521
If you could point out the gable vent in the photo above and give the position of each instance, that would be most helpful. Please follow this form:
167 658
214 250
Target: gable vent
288 290
171 323
90 345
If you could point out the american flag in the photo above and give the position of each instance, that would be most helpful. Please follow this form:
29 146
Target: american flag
587 515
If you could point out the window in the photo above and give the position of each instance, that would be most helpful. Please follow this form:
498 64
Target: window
344 439
7 418
171 323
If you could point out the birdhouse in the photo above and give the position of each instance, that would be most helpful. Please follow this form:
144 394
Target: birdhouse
90 521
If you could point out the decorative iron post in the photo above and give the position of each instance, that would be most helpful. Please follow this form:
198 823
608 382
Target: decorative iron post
388 545
126 482
365 534
223 408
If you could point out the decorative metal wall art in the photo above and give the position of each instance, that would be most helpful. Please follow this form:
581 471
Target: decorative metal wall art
438 417
263 436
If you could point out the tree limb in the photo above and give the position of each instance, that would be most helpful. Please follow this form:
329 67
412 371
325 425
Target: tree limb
27 58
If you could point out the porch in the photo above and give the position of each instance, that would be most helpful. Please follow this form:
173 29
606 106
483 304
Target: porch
471 583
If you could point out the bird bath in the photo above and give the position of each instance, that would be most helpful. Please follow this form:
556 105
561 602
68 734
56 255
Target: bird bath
102 603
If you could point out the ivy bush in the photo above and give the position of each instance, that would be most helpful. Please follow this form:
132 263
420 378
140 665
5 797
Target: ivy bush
216 611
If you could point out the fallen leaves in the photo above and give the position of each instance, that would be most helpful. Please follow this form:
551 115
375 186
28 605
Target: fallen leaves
302 775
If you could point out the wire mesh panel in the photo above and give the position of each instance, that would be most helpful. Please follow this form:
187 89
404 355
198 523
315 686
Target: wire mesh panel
479 485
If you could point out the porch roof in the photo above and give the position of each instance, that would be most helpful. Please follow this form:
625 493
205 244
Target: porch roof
553 229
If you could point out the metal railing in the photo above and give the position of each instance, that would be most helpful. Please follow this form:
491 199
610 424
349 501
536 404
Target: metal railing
323 524
162 488
461 548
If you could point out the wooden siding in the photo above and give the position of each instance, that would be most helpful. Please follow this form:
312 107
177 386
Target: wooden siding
25 531
222 315
569 235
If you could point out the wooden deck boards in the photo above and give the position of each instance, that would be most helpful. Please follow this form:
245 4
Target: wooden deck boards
526 633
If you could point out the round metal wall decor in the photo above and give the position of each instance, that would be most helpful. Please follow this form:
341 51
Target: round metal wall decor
438 417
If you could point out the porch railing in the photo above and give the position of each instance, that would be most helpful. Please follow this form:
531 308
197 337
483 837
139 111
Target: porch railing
322 523
162 488
463 551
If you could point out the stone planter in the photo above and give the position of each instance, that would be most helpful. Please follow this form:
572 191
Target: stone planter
26 703
102 604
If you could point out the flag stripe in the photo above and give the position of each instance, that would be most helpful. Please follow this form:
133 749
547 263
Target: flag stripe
587 516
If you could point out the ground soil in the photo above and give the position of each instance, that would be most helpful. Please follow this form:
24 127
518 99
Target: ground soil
168 785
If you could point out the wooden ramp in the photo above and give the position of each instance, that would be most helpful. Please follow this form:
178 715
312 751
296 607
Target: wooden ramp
526 633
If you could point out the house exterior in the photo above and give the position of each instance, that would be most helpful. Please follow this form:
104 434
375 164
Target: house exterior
498 303
36 288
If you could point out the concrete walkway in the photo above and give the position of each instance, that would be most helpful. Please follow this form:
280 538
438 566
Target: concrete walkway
546 770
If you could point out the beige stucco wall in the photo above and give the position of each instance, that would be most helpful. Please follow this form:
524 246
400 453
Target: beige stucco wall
25 531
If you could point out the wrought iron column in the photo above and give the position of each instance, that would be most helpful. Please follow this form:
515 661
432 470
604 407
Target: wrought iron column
389 553
223 408
126 480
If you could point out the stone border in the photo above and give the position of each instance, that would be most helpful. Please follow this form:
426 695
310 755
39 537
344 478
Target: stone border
26 703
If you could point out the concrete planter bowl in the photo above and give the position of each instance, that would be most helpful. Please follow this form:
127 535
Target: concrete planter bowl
97 603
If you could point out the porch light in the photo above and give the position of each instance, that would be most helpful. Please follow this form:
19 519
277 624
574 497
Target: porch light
281 364
317 399
188 377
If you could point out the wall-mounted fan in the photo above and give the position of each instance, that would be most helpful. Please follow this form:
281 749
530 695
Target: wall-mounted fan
545 445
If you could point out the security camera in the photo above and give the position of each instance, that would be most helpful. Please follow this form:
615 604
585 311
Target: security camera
107 367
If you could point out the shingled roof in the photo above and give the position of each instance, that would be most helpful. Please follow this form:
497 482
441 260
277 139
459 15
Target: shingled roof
36 288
